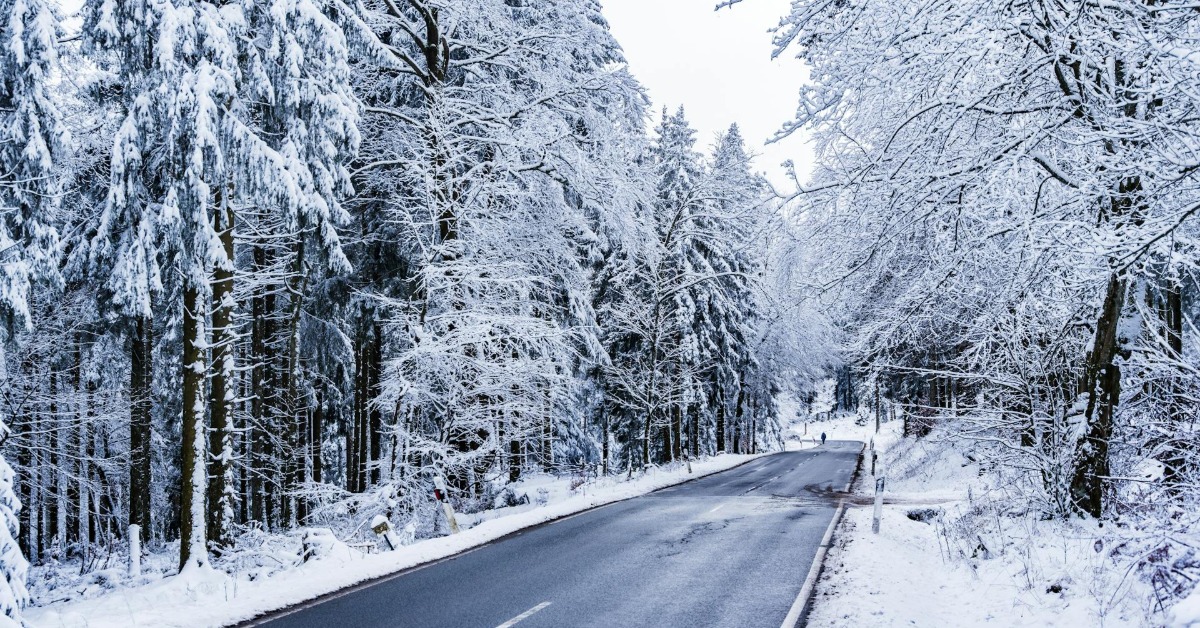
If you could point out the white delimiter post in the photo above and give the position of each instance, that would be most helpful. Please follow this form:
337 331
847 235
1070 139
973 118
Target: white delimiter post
135 550
439 491
879 484
874 456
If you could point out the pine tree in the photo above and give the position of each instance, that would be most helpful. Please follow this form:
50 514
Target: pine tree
31 138
730 248
13 565
196 106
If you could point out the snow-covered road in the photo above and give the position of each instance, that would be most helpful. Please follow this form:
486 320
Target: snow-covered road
731 549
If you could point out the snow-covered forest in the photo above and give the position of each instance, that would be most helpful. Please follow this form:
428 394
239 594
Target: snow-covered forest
269 265
1006 204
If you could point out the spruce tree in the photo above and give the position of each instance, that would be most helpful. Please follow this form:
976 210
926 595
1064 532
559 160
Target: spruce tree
31 138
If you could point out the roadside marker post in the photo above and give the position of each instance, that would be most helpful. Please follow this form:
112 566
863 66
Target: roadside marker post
439 492
880 482
135 550
381 527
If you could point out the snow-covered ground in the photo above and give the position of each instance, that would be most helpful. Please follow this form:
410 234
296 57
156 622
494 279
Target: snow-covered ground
806 425
214 598
969 563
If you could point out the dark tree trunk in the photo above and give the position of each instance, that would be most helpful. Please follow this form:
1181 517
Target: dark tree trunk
374 389
694 433
221 398
192 487
739 411
359 445
292 407
514 453
677 431
1172 313
317 428
23 433
720 423
140 379
1102 385
254 428
604 446
262 419
54 434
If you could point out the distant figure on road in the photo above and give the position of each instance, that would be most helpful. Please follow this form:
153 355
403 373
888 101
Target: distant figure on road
822 438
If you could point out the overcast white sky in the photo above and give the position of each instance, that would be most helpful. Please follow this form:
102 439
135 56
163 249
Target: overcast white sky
718 65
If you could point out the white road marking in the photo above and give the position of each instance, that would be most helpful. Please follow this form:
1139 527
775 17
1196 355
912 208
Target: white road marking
523 616
763 484
716 509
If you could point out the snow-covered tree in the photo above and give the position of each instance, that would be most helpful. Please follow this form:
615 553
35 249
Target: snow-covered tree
1006 216
215 121
316 252
13 595
31 140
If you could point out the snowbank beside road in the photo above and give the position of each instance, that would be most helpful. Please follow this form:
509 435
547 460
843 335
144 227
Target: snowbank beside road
216 599
967 561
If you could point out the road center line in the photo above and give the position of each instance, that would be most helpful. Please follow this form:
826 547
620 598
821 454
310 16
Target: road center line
523 616
716 509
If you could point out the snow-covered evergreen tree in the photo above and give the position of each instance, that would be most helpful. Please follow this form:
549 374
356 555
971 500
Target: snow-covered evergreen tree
13 566
518 260
731 247
197 84
31 139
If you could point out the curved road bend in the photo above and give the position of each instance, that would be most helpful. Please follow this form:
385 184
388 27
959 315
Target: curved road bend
732 549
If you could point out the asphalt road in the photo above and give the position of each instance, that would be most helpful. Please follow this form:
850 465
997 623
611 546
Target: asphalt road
732 549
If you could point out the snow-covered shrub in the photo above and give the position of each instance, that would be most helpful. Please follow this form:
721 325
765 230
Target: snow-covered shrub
13 566
509 498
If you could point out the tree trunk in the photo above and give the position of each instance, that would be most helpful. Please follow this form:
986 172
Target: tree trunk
193 484
651 382
140 380
262 306
220 488
514 457
293 409
604 442
374 389
878 406
23 432
677 432
720 423
694 433
739 411
1172 313
1102 385
83 408
359 445
57 506
317 427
